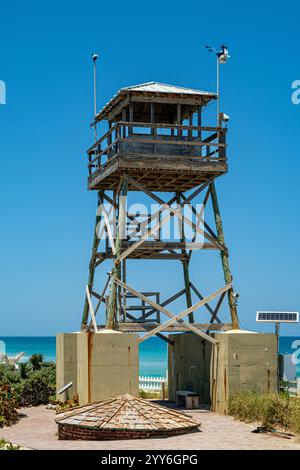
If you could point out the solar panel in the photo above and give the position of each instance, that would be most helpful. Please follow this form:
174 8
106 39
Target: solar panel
279 317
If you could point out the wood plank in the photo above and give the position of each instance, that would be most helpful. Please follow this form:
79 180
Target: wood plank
108 228
184 313
173 318
176 212
88 296
193 143
173 126
138 327
148 233
168 301
201 297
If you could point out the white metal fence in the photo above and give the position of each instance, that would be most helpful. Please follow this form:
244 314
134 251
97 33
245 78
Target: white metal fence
294 387
152 384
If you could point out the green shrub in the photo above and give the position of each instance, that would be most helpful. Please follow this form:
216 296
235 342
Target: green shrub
33 383
24 370
4 445
8 405
34 391
271 410
8 374
36 361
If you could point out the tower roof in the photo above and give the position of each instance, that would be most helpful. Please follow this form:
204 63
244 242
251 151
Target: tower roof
161 91
127 412
156 87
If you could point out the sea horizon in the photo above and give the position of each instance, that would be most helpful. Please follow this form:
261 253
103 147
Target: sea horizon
153 352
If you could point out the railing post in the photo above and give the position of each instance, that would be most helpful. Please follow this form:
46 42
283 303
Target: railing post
117 137
98 151
130 118
90 164
199 125
190 132
222 140
179 132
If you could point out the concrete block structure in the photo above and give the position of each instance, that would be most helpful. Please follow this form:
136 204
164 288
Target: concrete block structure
241 360
189 366
66 364
101 366
246 361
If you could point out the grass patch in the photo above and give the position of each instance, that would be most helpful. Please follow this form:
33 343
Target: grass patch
271 410
150 395
4 445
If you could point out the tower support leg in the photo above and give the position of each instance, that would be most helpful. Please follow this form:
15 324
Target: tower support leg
185 267
224 257
92 265
112 303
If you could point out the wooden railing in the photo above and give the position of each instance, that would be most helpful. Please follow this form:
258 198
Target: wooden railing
136 138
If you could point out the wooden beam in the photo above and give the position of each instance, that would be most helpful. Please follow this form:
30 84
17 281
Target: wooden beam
199 216
174 126
159 335
185 265
112 304
166 302
92 265
148 233
192 143
171 100
200 296
139 327
88 296
173 318
192 196
113 205
224 258
108 228
176 212
101 297
217 308
184 313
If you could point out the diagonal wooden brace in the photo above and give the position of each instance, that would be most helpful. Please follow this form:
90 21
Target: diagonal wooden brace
166 206
183 314
173 318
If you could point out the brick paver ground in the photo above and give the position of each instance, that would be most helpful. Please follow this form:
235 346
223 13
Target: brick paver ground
37 430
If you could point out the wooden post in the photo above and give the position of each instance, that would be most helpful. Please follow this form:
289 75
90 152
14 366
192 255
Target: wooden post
200 125
178 120
130 117
112 304
152 120
185 266
92 265
124 299
224 256
124 119
190 133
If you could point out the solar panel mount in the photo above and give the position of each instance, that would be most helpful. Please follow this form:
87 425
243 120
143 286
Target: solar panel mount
277 317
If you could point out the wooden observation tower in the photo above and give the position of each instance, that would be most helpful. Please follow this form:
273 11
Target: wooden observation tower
156 144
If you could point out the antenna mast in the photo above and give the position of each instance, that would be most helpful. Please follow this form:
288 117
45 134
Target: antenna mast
95 57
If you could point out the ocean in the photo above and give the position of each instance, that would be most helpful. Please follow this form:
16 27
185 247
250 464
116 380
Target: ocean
153 352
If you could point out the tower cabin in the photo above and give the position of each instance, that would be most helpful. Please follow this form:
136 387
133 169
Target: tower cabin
155 133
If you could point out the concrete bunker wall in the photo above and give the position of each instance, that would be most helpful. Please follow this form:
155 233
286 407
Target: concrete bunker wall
101 366
189 366
241 361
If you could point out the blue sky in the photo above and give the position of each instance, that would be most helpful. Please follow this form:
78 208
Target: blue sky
46 212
